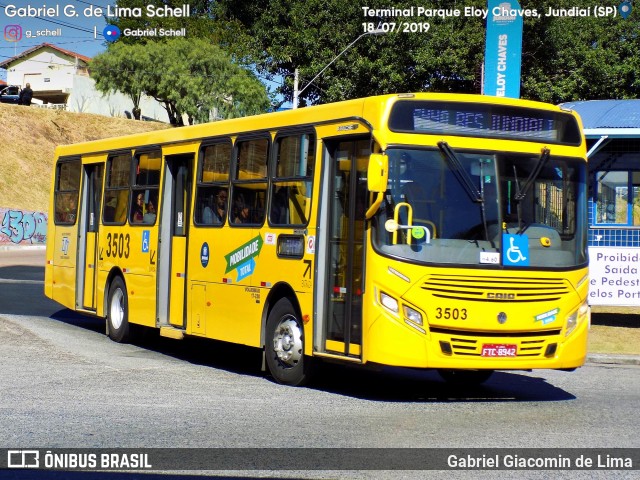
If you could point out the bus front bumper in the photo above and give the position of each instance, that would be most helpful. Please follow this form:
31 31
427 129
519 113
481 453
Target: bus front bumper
391 342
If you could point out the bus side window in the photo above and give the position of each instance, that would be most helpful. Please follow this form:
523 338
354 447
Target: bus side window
66 192
212 191
147 178
292 184
116 192
250 182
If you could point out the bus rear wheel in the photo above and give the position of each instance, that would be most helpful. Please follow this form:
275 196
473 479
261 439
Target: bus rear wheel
285 345
118 312
465 377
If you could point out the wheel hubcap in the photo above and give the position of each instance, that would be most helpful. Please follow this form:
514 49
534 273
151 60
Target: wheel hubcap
287 341
116 312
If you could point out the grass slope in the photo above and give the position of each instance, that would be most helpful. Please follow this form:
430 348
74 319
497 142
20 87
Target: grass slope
28 137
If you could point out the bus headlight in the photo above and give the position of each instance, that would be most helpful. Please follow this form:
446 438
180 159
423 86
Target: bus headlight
412 315
389 302
576 318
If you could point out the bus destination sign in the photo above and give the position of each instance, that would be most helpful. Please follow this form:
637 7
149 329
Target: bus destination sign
484 120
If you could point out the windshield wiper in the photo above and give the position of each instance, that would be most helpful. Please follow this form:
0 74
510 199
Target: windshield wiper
521 193
542 160
461 174
465 180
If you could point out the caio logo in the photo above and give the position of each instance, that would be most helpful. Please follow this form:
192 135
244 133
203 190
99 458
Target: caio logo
501 296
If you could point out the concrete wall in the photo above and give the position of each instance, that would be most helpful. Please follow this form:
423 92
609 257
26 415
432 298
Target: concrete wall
22 227
86 99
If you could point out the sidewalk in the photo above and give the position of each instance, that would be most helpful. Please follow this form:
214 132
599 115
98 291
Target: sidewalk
613 359
9 247
31 255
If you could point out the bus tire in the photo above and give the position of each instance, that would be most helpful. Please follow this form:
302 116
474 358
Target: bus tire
465 377
285 345
118 312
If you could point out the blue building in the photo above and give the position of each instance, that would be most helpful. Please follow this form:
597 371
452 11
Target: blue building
612 129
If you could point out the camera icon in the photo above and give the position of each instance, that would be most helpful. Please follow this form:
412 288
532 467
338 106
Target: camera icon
13 33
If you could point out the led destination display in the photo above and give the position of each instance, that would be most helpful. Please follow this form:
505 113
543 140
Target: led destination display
490 121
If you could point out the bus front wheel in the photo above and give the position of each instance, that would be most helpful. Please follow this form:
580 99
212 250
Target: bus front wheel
465 377
285 345
118 312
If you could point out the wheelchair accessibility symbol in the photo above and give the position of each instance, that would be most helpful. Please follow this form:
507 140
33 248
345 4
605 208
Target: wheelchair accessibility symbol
145 241
515 250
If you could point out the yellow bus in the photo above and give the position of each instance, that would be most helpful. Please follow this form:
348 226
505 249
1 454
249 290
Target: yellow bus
435 231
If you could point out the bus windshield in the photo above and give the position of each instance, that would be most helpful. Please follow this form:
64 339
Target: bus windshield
483 208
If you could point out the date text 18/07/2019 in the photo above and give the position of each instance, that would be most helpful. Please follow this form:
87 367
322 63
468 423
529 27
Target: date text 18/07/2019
398 27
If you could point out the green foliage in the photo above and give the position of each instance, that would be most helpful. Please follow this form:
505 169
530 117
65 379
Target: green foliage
580 58
121 69
564 59
309 34
189 77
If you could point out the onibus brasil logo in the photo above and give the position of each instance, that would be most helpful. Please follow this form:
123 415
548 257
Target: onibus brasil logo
242 259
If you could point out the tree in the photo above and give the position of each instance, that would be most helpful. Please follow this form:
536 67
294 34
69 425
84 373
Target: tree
122 69
580 58
564 58
188 77
309 34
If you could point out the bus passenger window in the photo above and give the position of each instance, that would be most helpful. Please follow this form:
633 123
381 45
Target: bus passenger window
212 190
116 192
291 192
145 201
66 192
250 182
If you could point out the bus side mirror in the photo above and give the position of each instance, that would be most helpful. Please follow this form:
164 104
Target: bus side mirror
378 173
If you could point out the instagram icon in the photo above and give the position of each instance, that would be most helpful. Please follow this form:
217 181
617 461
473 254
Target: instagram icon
13 33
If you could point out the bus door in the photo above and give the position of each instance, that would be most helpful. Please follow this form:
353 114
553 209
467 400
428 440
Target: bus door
174 229
88 219
345 283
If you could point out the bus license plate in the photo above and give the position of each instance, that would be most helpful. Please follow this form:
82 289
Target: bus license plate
498 350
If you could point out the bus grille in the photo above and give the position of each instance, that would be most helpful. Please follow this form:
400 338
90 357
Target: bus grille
491 289
530 344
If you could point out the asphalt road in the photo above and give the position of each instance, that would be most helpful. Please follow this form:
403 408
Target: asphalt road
65 384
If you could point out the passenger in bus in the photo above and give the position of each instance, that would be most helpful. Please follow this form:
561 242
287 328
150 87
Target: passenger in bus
207 214
215 215
221 205
137 213
242 214
150 214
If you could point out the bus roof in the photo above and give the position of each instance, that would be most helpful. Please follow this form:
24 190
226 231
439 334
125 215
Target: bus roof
370 109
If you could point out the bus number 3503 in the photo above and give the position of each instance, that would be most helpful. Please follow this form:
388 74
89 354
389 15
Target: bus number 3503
451 313
118 245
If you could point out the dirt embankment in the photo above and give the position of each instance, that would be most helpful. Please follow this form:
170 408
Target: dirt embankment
28 137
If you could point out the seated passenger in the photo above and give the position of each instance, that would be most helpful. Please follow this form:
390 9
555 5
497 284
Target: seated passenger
150 214
137 212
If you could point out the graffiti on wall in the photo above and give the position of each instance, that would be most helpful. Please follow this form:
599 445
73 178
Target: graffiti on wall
21 227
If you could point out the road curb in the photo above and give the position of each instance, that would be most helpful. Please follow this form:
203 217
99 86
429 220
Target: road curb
604 358
6 248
